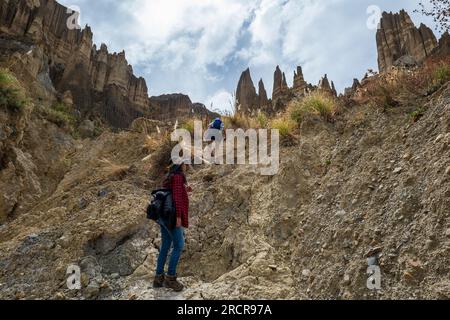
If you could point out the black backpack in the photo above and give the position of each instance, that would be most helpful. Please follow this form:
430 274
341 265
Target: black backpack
162 208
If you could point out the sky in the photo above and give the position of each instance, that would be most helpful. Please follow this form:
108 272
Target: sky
201 47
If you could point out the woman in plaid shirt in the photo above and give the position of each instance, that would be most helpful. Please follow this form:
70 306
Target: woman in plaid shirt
177 182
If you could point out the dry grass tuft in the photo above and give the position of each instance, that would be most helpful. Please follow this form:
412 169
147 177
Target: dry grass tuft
112 170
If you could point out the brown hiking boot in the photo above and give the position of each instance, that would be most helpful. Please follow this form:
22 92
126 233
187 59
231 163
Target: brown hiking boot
172 283
159 281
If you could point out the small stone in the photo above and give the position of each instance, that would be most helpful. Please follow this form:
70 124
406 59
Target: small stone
92 290
273 267
447 233
341 213
60 296
104 285
82 204
20 295
447 171
397 170
306 273
64 241
103 193
133 297
346 281
115 276
439 138
417 264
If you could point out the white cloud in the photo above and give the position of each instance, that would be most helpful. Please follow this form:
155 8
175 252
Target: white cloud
221 100
198 32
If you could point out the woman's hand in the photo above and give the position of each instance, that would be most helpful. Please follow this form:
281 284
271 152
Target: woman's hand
178 222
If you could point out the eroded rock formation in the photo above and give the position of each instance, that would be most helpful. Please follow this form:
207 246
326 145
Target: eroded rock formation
65 60
96 79
300 85
166 106
398 37
262 94
246 96
277 84
250 102
324 85
443 48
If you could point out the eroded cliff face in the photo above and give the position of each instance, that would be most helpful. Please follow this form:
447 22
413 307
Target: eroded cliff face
250 102
64 61
398 37
96 79
399 43
370 188
164 108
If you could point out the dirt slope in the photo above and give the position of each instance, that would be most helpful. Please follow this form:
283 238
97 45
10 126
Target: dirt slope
372 185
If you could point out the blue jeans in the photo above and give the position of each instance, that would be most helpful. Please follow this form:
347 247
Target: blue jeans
169 237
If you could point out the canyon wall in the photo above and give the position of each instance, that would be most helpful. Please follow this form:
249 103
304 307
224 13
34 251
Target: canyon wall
400 42
98 82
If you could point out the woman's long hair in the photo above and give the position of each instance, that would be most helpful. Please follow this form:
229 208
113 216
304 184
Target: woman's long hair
172 170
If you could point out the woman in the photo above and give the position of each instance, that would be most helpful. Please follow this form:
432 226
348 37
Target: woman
175 181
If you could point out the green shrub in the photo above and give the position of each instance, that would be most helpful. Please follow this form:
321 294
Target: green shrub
60 115
286 127
418 113
12 95
318 103
262 120
441 75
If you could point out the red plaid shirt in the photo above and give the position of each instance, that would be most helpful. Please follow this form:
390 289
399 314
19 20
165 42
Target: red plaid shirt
177 183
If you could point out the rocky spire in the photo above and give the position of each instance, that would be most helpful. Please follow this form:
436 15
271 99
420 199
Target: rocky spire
333 89
353 89
246 95
324 84
443 49
284 85
398 37
277 84
262 94
300 84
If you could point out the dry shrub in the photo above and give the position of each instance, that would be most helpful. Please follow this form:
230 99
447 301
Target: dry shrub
404 86
151 143
380 93
160 158
112 170
236 121
259 120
